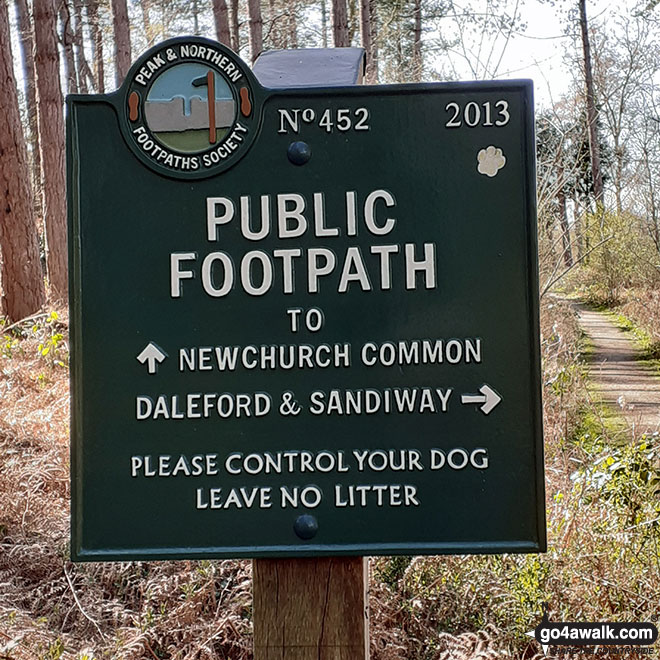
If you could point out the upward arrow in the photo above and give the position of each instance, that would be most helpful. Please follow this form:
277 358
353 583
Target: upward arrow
151 355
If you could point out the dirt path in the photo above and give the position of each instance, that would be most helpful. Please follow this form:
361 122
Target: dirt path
619 379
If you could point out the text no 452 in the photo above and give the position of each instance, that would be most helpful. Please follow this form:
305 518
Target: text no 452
340 119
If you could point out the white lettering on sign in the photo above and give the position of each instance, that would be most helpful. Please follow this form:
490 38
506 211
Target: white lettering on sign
379 459
150 67
459 458
341 119
237 465
258 270
292 219
167 158
287 461
370 214
307 252
424 351
265 357
202 406
313 318
292 216
309 496
361 496
230 144
371 401
474 114
210 54
174 466
270 357
425 265
190 163
177 273
296 461
193 52
236 498
213 264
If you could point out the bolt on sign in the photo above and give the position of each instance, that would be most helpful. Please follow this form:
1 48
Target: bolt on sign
304 321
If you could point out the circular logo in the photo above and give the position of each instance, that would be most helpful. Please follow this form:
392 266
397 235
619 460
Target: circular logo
189 108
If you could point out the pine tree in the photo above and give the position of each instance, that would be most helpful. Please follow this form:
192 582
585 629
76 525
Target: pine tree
22 279
51 141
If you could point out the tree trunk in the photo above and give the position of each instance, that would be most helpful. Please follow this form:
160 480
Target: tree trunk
324 23
578 229
373 56
398 54
272 37
22 280
352 21
67 46
195 10
26 44
563 221
618 179
653 212
221 17
585 213
256 29
166 16
51 141
92 8
417 41
365 34
146 23
122 40
84 72
292 25
652 206
340 23
592 113
233 26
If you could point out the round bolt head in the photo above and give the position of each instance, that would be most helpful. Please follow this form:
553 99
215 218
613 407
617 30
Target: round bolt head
306 527
299 153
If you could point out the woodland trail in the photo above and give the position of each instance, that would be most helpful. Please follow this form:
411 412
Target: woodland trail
617 376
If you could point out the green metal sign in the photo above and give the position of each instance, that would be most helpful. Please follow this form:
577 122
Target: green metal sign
304 321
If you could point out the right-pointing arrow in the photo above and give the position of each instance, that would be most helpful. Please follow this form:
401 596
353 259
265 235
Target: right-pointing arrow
489 398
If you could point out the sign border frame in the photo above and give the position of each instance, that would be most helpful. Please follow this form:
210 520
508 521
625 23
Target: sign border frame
307 549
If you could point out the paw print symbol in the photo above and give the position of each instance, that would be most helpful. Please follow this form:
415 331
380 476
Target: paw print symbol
491 160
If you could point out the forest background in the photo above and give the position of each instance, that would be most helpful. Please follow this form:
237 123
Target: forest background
598 146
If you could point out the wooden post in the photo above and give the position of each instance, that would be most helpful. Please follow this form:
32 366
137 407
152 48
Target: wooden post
310 609
316 608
